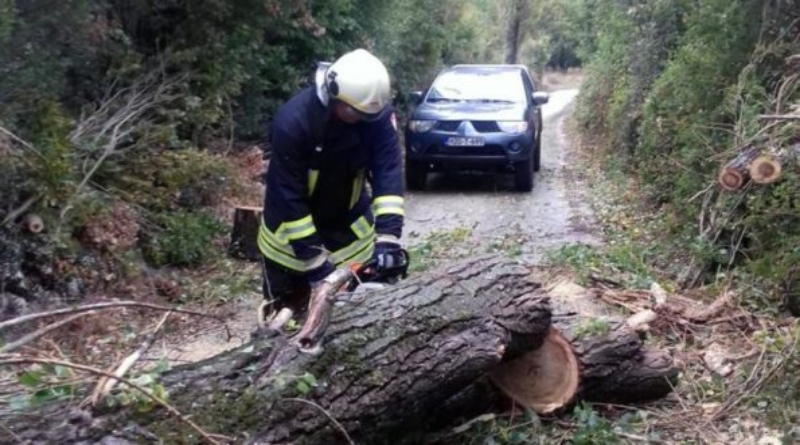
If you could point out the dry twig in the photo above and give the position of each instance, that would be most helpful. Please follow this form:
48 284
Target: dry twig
105 385
100 306
41 332
327 414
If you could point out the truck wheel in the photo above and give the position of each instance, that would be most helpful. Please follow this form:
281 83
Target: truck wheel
523 176
416 175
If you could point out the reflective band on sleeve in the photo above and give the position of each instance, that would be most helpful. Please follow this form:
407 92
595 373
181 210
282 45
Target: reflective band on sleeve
361 250
362 228
386 205
358 184
313 175
283 254
294 230
268 237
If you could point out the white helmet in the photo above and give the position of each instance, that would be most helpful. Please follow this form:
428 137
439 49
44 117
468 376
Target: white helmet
360 80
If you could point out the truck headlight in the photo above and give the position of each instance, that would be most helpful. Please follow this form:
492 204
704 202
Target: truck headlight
513 126
420 126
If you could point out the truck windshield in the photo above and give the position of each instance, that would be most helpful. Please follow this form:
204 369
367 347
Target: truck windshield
497 86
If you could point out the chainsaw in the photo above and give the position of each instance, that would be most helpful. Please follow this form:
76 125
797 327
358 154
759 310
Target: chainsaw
346 280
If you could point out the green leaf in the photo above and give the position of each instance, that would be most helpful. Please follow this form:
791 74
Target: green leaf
31 379
144 380
309 379
162 365
44 396
20 402
63 371
159 391
303 387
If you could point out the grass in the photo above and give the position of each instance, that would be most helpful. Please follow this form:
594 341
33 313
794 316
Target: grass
758 401
441 245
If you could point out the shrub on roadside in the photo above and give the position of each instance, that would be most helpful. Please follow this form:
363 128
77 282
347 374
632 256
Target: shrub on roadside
182 239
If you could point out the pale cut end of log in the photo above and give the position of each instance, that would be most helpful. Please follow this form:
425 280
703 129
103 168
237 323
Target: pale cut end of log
33 223
765 170
543 380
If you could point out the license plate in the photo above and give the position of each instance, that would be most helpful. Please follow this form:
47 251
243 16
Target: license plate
464 142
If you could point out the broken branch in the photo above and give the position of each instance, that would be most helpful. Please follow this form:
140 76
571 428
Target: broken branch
41 361
41 332
100 306
105 385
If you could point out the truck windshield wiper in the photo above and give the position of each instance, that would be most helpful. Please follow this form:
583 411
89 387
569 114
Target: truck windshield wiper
443 99
493 101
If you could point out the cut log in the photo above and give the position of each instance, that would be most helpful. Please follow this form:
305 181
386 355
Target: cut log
542 380
33 223
587 355
244 235
400 362
764 170
735 174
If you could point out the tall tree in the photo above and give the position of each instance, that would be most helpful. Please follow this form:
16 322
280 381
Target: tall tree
517 14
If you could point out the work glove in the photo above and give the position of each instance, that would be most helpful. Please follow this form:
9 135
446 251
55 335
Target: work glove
388 253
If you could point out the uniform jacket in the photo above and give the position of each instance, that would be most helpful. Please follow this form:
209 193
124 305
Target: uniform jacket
330 186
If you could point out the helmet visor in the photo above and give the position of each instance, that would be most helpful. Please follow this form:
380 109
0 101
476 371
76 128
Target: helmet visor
362 116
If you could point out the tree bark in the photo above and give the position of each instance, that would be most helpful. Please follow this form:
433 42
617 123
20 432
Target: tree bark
388 362
404 360
518 12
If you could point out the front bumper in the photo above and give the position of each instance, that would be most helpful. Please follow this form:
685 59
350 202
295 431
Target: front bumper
497 148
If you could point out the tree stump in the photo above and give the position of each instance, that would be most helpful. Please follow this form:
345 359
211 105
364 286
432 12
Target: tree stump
393 367
244 235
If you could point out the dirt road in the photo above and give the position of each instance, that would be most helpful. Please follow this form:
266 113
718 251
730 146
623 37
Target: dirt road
552 215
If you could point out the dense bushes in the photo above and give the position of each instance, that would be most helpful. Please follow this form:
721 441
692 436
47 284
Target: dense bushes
674 88
113 103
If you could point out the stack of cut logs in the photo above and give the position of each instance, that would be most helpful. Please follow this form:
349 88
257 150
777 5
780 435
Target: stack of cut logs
751 164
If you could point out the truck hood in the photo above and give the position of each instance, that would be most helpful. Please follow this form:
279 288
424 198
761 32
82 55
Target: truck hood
479 111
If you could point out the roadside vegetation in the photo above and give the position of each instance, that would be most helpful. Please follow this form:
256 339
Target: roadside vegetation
128 130
673 92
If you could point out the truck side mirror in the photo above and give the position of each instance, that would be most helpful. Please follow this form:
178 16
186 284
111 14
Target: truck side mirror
415 97
540 98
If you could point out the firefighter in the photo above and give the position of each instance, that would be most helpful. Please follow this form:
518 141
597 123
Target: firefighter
329 142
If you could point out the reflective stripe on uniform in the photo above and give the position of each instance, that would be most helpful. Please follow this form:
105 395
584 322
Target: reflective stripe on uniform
362 228
388 205
272 239
283 254
313 175
358 184
297 229
360 250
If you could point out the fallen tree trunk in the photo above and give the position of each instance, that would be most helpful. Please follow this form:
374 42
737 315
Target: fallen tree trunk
390 363
588 354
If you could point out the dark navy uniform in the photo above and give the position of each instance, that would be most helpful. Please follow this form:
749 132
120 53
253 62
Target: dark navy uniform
330 188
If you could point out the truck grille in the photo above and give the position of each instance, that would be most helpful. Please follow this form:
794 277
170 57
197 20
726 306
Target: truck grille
486 126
